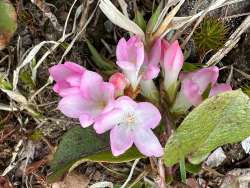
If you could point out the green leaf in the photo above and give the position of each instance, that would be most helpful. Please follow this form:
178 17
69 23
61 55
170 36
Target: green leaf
189 67
98 59
8 23
191 168
205 94
80 145
107 156
152 21
217 121
139 20
246 90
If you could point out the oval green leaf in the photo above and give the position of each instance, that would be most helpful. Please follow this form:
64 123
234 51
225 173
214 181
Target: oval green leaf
79 145
217 121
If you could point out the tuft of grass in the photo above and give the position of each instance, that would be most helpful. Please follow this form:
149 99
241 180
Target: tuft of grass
210 35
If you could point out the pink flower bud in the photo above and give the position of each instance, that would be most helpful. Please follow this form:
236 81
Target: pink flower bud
119 81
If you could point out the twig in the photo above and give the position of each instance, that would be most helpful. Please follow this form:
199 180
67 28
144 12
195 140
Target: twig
161 182
143 174
14 156
229 45
130 174
7 135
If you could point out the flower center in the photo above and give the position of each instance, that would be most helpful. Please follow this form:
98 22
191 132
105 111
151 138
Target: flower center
131 119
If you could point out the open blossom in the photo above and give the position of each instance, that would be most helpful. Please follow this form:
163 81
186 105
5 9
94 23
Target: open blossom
130 57
90 101
120 82
172 63
131 122
194 84
67 77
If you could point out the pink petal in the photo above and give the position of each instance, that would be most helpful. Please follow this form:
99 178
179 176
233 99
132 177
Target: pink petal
127 65
59 72
139 54
126 104
69 91
120 140
121 50
90 84
74 67
151 72
60 85
205 76
219 88
86 120
107 121
107 90
150 116
164 46
147 143
74 80
173 62
192 92
155 53
119 81
73 106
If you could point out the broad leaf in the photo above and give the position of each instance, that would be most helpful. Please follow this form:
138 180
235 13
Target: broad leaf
98 59
153 20
8 23
139 20
217 121
80 145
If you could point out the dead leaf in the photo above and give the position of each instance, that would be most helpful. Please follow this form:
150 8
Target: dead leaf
72 180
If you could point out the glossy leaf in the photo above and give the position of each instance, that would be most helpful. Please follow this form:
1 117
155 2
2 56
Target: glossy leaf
79 145
98 59
217 121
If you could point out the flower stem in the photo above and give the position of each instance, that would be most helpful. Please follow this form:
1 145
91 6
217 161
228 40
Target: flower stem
183 170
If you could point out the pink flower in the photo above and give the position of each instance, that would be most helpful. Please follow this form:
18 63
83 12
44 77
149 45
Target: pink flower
194 85
131 122
151 61
172 64
130 57
120 82
92 99
219 88
67 77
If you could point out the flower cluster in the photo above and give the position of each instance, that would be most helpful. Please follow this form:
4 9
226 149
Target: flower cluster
87 97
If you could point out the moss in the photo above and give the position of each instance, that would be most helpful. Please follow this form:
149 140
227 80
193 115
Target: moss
210 35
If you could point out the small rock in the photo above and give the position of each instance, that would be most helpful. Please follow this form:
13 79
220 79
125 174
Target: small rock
216 158
246 145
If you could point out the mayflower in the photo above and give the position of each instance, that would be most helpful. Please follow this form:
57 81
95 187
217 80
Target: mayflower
67 77
172 63
193 86
130 57
85 94
120 82
131 123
